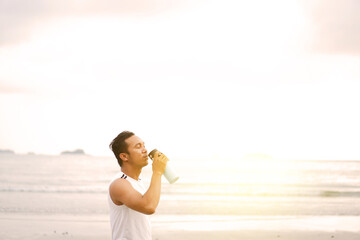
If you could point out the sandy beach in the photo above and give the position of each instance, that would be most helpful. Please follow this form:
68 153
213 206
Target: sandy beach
191 227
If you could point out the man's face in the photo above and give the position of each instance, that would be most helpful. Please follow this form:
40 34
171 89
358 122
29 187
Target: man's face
137 151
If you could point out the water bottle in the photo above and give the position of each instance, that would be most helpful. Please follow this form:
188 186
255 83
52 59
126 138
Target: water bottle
169 174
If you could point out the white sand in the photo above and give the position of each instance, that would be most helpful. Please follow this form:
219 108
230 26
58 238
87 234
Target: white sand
81 227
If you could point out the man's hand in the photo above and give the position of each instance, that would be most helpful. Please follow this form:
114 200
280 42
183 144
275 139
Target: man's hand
159 163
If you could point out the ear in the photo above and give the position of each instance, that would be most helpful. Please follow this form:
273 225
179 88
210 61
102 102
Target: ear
124 156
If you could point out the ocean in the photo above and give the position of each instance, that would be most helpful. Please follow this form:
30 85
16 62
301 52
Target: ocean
77 185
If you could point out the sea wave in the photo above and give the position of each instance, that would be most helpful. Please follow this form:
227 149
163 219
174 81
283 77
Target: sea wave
54 190
206 190
339 194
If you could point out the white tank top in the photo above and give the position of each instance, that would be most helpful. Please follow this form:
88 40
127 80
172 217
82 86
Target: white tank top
127 223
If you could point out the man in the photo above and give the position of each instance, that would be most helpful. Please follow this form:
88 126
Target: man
129 202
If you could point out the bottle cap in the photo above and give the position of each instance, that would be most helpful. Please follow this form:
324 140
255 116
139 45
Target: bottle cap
151 154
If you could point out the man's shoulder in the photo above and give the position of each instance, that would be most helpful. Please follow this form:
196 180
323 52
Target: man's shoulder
119 183
123 184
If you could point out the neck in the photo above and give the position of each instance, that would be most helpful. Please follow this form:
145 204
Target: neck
131 171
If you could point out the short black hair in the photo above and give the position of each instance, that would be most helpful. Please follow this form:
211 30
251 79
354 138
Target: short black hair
118 145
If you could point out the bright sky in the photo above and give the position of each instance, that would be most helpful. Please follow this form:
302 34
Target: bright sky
191 78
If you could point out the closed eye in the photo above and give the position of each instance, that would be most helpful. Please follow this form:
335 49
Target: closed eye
138 145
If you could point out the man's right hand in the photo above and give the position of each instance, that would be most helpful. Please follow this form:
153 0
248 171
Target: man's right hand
159 163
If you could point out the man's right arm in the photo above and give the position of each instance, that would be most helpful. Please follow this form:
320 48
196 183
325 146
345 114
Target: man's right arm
122 192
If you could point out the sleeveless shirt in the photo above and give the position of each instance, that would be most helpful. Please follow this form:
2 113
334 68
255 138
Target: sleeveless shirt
127 223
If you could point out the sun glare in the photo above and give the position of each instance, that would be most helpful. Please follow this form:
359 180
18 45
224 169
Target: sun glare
264 169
